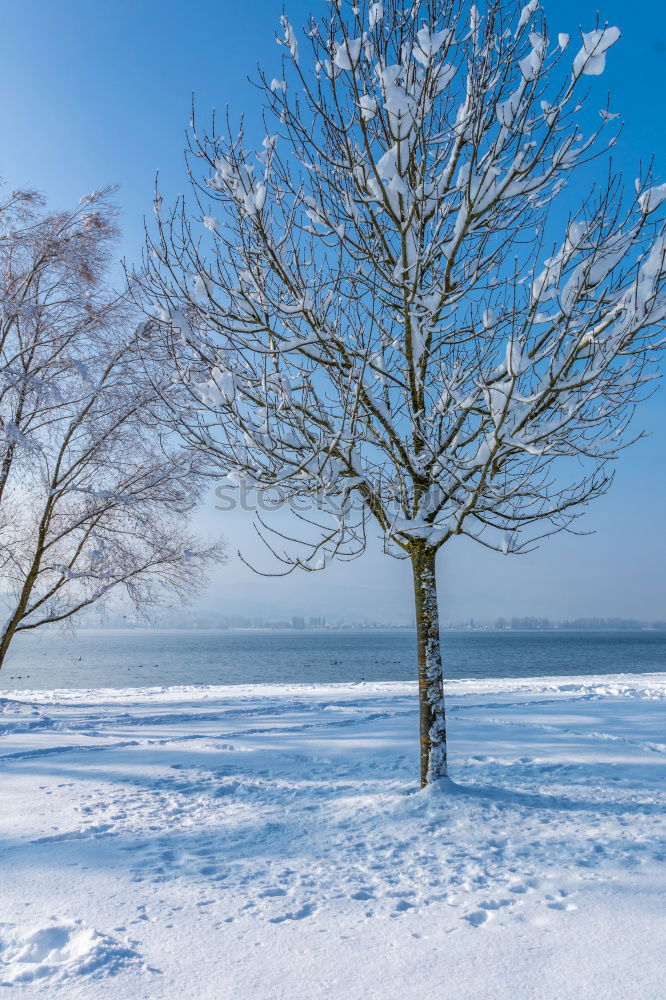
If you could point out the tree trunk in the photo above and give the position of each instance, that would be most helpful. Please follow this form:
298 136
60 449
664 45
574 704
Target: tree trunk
5 640
11 625
18 614
431 684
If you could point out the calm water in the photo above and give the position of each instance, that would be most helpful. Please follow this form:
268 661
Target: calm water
136 658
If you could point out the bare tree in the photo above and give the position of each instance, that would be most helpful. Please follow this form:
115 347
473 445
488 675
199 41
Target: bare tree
395 307
93 499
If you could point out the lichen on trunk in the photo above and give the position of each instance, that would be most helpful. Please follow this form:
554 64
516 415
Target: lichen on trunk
431 683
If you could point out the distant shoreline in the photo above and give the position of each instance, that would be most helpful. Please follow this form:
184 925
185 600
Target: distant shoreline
459 630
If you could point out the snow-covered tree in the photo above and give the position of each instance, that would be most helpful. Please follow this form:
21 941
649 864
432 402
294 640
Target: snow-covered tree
396 307
93 499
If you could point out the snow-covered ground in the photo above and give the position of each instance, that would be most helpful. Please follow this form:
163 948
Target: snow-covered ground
260 843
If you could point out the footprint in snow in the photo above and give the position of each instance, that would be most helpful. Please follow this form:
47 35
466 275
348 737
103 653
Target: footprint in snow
486 910
560 901
305 911
496 904
363 894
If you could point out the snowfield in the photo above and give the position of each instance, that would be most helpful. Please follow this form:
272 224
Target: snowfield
261 843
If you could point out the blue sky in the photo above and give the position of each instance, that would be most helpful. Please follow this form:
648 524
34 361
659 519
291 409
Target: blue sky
96 94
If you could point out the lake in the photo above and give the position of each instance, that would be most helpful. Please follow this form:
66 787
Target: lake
138 658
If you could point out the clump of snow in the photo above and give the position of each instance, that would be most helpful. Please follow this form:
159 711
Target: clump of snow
375 14
348 53
290 39
591 59
429 43
651 199
368 106
528 11
61 953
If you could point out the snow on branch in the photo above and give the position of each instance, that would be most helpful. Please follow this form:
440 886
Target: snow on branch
395 318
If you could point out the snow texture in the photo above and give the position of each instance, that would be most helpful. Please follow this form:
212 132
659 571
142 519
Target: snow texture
271 842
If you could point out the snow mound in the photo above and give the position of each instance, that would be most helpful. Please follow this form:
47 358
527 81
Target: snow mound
12 706
60 952
20 716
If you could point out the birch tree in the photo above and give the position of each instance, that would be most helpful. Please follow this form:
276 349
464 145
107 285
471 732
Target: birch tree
397 308
93 499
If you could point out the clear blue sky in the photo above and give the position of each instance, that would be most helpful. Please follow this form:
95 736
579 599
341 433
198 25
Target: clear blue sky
100 93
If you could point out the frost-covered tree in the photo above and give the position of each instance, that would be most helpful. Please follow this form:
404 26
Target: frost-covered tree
93 499
396 309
